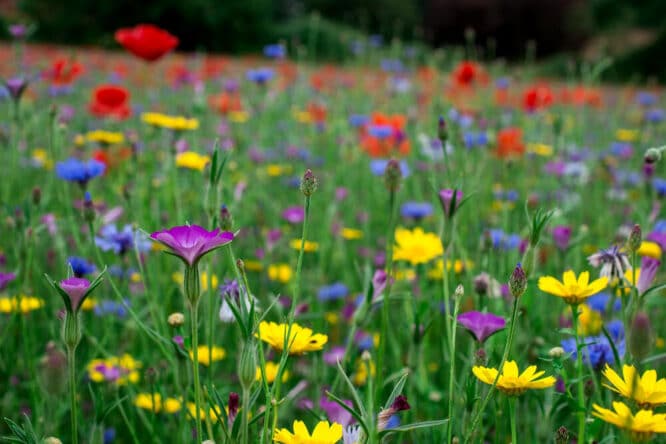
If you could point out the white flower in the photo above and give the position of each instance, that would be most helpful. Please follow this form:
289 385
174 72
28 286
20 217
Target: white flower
352 435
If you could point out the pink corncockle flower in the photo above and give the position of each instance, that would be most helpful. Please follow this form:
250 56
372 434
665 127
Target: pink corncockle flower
76 289
649 268
191 242
481 325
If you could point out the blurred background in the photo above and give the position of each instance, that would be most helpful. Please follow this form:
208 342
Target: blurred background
556 33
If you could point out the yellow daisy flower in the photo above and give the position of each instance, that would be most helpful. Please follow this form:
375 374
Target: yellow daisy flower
510 381
351 233
22 303
308 247
206 354
280 272
646 390
301 339
416 246
626 135
641 426
572 290
192 160
105 137
271 372
239 116
323 433
145 401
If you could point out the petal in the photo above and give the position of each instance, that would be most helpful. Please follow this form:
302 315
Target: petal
510 369
648 381
300 430
549 284
618 384
583 279
546 382
569 278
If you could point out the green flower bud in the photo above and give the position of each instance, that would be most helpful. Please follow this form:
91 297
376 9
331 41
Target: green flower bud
247 364
71 330
518 281
308 183
635 238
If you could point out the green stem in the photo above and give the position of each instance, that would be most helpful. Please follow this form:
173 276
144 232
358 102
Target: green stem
452 367
195 368
505 355
245 408
579 376
71 369
512 417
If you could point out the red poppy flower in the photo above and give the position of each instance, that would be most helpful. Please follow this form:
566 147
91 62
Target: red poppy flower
63 72
147 42
110 101
537 97
510 143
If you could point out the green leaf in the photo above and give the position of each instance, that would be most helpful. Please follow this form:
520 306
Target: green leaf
354 413
414 426
397 390
353 391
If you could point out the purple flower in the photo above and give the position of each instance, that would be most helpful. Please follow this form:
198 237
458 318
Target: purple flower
649 268
121 241
416 210
335 354
76 289
18 31
481 325
6 278
445 197
294 215
335 412
562 236
191 242
379 280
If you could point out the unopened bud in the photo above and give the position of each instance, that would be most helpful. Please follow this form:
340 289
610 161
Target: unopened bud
88 208
640 336
392 175
176 319
308 183
240 265
635 238
52 440
481 283
226 220
460 291
562 436
151 375
556 352
518 281
652 155
247 365
442 134
480 357
36 196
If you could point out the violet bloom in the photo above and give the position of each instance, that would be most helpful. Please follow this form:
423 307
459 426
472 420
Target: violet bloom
446 197
649 268
6 278
76 289
294 215
16 86
335 412
121 241
335 354
191 242
481 325
379 280
562 236
18 31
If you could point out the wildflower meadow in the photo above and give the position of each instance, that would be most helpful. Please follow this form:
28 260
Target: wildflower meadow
404 247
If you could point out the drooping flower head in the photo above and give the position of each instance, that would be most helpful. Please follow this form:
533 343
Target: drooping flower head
148 42
481 325
191 242
510 381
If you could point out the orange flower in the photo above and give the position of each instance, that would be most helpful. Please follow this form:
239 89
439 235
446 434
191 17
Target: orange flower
226 102
317 112
510 143
63 72
385 135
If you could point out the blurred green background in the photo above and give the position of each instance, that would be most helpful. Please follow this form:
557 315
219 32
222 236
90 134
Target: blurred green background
633 33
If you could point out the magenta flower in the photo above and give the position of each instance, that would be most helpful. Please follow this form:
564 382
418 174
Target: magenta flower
481 325
649 268
6 278
294 215
191 242
562 236
446 197
335 412
76 289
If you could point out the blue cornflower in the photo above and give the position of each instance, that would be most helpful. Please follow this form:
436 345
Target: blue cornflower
646 98
230 288
599 302
660 226
597 351
378 166
260 75
416 210
655 115
380 131
109 435
275 51
121 241
332 292
111 307
502 83
659 186
391 65
80 266
75 170
357 120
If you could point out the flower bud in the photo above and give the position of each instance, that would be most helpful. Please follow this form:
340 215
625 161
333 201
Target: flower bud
518 281
52 440
652 155
88 208
308 183
247 365
480 357
556 352
640 336
392 175
481 283
635 238
192 284
442 134
36 196
226 219
562 436
71 330
176 319
460 291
